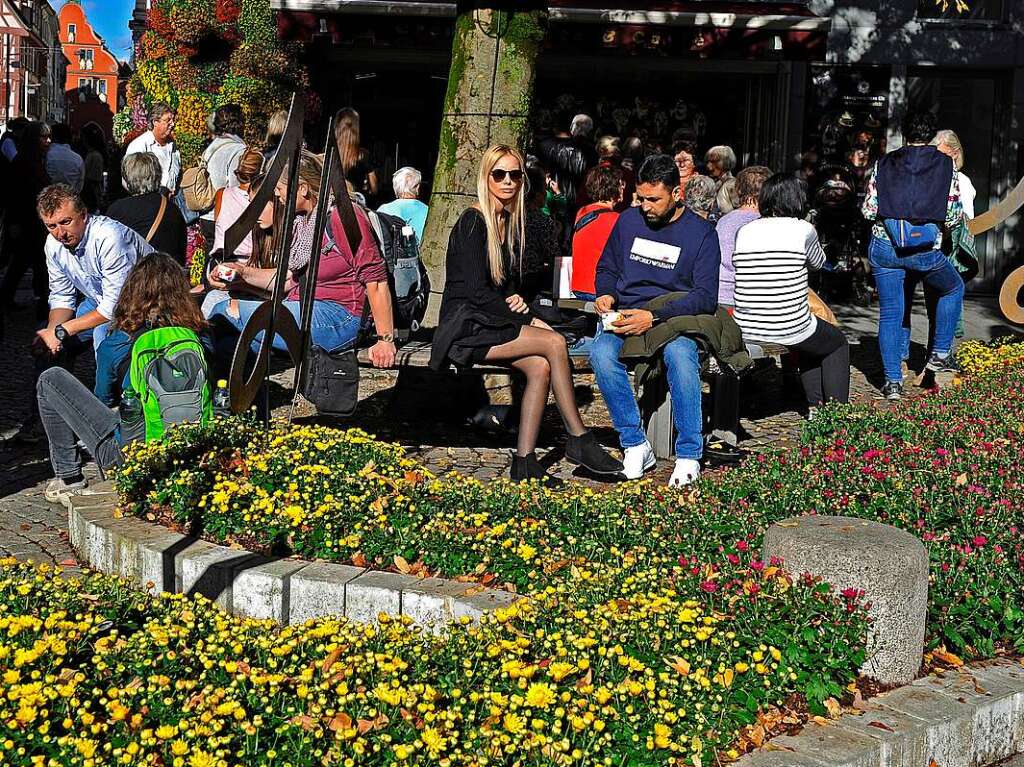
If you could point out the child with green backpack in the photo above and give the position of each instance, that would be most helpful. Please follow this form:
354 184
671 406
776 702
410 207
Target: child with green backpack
157 351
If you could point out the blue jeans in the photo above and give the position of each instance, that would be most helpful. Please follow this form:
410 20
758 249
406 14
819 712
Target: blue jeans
94 335
895 278
683 367
334 327
583 346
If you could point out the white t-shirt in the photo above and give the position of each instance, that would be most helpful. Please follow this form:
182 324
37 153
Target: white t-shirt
170 159
967 194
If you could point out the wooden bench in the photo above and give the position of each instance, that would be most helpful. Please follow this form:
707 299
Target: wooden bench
654 399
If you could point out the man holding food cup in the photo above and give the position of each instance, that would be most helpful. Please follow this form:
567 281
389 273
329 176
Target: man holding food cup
655 248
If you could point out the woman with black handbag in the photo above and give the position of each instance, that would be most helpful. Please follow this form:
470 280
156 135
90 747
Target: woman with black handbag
484 317
345 281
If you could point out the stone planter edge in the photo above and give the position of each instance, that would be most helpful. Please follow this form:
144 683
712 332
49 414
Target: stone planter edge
250 585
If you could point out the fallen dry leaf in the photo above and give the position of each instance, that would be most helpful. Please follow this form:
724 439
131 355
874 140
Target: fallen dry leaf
402 565
330 660
881 726
681 665
833 708
961 480
340 721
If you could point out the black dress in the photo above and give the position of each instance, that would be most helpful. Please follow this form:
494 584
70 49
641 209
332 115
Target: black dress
139 212
474 316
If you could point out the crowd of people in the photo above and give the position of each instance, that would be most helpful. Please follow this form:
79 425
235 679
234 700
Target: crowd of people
675 262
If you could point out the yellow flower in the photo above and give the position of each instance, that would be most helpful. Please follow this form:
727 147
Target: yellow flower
166 731
513 723
202 759
540 695
179 748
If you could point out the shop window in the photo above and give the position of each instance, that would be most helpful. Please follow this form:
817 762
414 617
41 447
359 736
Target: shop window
960 10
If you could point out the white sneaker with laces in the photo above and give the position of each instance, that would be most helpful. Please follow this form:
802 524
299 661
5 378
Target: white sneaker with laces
687 470
57 490
637 459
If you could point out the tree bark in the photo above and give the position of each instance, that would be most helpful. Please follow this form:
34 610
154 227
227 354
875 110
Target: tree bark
490 91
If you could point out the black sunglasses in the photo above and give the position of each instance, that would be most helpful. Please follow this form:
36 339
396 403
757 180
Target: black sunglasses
498 174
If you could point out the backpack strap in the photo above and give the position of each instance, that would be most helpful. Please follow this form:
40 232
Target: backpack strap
590 218
159 218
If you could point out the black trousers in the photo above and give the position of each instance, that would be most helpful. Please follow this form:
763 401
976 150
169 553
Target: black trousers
824 365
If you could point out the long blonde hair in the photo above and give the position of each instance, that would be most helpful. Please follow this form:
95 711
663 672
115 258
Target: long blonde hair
515 227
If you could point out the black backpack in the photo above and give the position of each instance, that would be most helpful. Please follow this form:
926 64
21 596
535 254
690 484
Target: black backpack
407 278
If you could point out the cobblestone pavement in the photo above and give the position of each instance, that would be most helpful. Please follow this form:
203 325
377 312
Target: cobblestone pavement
31 528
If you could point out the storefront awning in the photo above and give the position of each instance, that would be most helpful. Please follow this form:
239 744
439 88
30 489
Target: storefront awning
764 14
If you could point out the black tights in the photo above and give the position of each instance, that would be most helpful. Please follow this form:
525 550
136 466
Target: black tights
541 355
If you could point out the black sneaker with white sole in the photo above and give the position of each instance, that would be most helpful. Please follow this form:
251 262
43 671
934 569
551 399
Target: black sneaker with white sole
937 364
893 390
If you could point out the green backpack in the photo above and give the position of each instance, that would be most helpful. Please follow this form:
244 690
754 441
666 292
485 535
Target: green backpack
168 374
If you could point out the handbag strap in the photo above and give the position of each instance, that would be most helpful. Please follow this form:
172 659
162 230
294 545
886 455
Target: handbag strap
159 218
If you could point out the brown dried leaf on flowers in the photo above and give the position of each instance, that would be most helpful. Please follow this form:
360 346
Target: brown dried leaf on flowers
833 708
341 721
369 725
307 723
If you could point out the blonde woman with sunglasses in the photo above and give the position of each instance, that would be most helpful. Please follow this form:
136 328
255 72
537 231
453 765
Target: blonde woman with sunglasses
485 319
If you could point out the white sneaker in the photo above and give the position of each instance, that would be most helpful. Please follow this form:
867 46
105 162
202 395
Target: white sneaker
637 459
57 489
687 470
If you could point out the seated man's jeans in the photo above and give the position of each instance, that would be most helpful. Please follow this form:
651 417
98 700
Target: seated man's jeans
682 365
73 345
583 346
895 278
334 327
70 412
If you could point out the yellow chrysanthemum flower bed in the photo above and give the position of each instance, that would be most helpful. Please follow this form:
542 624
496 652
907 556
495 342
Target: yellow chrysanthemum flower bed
97 675
980 358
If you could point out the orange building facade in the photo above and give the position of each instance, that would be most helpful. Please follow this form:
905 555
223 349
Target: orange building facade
91 87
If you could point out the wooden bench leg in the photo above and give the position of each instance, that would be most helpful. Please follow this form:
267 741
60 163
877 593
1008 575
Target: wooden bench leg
656 416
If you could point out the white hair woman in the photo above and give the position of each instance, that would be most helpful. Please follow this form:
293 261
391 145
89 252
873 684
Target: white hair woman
720 160
148 210
947 142
406 205
484 318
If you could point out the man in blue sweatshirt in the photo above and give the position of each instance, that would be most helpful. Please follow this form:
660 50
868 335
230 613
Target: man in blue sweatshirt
656 248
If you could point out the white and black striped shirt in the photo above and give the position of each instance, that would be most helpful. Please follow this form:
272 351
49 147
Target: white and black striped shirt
771 260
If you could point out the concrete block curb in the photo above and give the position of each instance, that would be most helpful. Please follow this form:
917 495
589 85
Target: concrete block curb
253 586
970 718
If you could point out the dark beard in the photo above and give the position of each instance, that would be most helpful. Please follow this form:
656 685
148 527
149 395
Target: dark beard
660 221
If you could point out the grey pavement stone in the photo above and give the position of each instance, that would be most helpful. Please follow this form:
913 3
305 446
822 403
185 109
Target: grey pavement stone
318 591
833 746
263 590
948 726
375 592
902 738
207 569
889 565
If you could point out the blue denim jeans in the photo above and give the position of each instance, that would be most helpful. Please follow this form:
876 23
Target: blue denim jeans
683 367
583 346
895 278
334 327
94 335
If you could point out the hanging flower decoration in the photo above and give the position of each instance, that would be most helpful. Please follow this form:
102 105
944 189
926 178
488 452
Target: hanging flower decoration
197 55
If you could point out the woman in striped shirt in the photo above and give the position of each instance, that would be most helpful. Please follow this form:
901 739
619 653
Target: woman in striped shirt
771 259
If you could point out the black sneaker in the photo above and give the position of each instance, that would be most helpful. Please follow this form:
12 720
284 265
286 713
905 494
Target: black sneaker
937 364
893 390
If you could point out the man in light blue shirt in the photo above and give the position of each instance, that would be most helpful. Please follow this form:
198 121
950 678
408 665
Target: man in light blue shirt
85 254
406 204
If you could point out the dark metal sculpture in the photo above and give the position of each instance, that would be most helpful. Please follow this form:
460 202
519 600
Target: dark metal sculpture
271 317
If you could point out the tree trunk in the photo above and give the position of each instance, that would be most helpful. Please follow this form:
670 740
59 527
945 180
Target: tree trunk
490 90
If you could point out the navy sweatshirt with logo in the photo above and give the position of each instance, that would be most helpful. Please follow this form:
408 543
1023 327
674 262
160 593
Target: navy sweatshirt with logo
639 263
